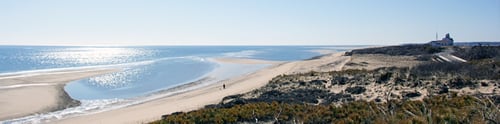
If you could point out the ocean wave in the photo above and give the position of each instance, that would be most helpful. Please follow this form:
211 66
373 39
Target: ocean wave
69 69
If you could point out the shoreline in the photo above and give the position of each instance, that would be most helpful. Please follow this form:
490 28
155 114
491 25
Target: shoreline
44 89
210 86
227 67
209 94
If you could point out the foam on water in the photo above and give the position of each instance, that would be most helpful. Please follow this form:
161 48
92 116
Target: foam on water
86 107
25 85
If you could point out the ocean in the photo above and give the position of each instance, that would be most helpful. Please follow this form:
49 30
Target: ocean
147 72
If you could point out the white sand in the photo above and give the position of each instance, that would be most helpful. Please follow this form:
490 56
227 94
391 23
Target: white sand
374 61
329 62
211 94
27 100
324 51
22 95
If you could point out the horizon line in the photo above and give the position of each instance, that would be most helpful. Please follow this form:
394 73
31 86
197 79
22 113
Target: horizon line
117 45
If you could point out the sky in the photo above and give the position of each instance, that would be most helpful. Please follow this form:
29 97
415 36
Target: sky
245 22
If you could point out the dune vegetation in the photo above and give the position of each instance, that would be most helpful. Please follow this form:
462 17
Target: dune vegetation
437 109
431 92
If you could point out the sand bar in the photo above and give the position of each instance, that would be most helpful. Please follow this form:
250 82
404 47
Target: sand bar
39 92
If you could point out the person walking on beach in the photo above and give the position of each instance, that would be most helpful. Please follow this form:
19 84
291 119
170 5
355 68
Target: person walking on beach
223 86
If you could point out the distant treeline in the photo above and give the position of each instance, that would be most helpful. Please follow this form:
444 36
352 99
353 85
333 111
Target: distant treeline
478 52
406 50
475 70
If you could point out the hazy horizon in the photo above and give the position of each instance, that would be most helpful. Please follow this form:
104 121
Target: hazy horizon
224 22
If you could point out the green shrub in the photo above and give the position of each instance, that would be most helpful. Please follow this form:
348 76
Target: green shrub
438 109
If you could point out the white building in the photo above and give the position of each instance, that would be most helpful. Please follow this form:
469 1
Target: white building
446 41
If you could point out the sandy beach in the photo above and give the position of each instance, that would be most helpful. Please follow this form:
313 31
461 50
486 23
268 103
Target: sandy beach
195 99
51 96
39 92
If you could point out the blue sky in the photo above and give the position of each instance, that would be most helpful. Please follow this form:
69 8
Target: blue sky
245 22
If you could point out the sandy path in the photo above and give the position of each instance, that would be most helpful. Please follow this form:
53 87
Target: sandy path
22 95
211 94
374 61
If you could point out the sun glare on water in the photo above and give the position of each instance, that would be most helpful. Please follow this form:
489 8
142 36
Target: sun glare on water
91 55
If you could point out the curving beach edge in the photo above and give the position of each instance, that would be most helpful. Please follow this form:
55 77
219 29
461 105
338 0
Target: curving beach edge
211 94
34 93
